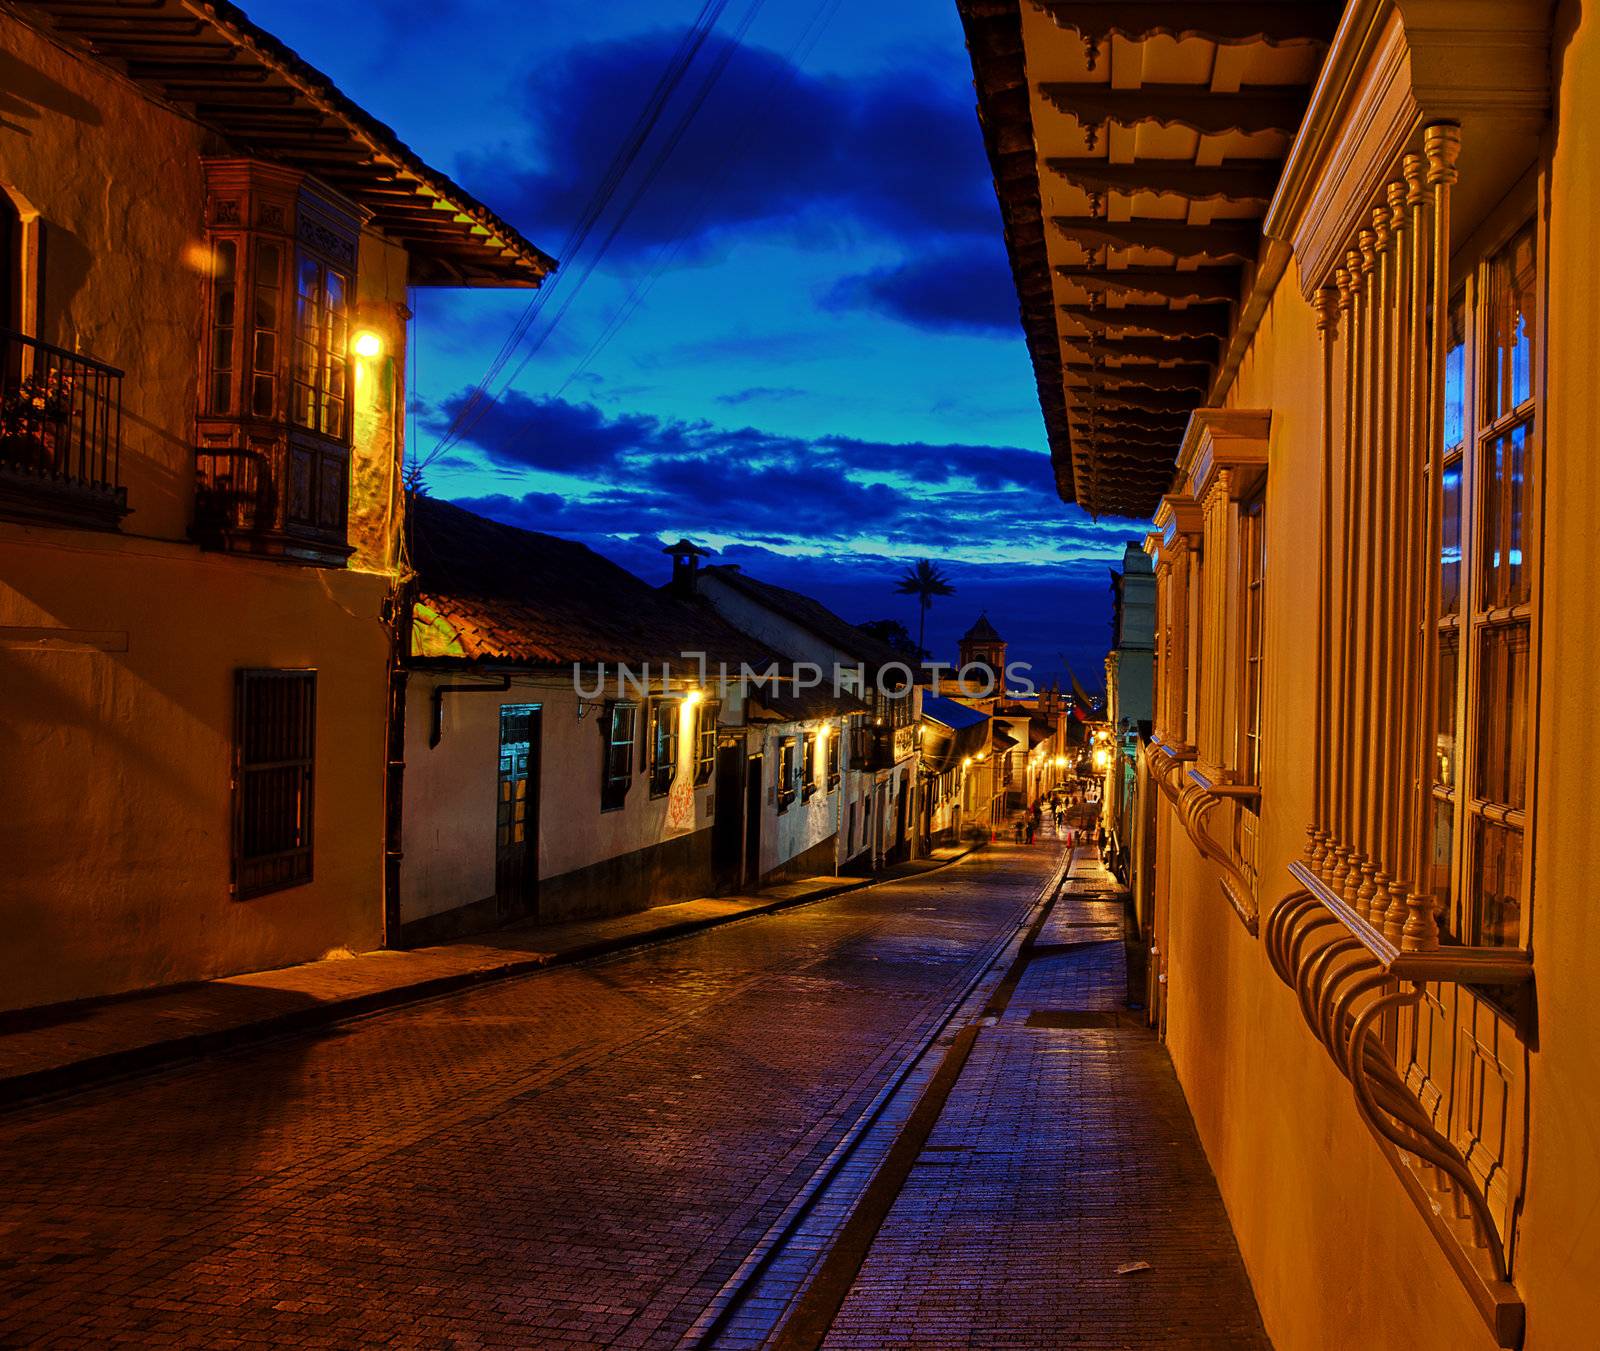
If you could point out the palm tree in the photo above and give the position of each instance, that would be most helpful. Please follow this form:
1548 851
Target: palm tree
924 581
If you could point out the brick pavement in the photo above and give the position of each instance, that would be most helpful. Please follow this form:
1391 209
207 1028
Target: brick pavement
1063 1153
69 1046
581 1158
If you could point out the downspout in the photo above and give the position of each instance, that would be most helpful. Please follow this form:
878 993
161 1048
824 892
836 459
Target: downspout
436 729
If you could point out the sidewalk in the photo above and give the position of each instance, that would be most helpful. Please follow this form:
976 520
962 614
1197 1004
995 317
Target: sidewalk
1063 1199
72 1046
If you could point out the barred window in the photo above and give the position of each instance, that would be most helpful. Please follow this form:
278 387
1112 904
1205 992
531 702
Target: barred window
275 734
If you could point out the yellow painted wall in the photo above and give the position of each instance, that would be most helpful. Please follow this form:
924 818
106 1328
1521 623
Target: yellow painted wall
117 651
1338 1254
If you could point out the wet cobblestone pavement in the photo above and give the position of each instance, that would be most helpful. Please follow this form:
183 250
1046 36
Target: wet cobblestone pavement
579 1158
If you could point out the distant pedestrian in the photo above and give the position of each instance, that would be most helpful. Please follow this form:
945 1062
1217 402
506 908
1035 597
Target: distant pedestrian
1059 815
1038 816
1030 832
1019 832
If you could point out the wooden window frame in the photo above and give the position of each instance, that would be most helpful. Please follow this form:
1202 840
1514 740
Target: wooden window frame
705 732
1252 590
833 755
808 766
665 736
784 786
615 783
270 781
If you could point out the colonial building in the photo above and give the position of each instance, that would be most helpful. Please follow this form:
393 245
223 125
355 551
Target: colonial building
207 254
1313 287
983 650
878 820
563 759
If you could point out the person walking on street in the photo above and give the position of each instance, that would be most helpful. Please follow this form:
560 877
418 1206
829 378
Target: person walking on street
1019 832
1030 831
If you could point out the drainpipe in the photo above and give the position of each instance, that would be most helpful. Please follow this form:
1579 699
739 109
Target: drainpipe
436 729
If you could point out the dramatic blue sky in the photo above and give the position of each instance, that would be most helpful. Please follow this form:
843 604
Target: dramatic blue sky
801 348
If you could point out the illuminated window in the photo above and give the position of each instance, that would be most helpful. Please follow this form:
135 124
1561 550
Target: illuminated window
275 735
833 760
705 735
616 774
319 399
273 445
786 773
1483 738
808 766
664 719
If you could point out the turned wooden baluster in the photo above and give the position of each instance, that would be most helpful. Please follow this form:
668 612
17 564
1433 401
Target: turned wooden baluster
1344 812
1330 305
1441 144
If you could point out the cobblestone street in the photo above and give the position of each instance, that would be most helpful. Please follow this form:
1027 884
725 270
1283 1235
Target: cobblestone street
585 1157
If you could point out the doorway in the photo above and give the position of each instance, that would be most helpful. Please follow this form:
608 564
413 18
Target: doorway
727 829
752 822
516 851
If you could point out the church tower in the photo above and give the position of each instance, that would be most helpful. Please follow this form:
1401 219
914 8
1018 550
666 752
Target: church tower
982 646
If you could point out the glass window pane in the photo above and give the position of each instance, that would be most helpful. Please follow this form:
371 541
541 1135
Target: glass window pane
1497 885
1455 376
1450 540
1503 715
1505 579
1511 321
1440 871
1445 766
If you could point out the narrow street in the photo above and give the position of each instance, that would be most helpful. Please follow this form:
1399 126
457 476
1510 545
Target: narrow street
590 1157
582 1157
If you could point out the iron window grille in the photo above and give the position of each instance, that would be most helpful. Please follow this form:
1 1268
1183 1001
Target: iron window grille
275 734
616 770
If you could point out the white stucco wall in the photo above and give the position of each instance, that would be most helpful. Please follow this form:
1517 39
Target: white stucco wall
450 790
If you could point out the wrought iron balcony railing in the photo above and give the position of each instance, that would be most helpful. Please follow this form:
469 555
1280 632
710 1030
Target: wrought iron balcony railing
60 435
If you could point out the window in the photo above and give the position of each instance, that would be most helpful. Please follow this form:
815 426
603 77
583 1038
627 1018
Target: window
808 766
833 758
318 394
616 773
664 718
786 773
1253 564
275 734
705 739
272 450
1485 616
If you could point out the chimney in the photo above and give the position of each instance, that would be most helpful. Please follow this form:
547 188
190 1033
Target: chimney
685 567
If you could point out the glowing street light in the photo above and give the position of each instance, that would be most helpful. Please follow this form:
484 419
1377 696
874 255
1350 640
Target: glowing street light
366 343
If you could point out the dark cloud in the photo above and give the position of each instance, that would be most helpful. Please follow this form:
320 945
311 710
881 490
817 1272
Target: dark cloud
960 289
764 393
771 145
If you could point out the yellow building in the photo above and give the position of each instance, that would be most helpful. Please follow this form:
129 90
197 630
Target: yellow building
207 256
1313 287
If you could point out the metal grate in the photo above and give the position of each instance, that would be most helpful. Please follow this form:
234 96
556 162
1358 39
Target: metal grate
275 735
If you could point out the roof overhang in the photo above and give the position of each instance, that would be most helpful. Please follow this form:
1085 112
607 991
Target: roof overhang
210 62
1135 148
